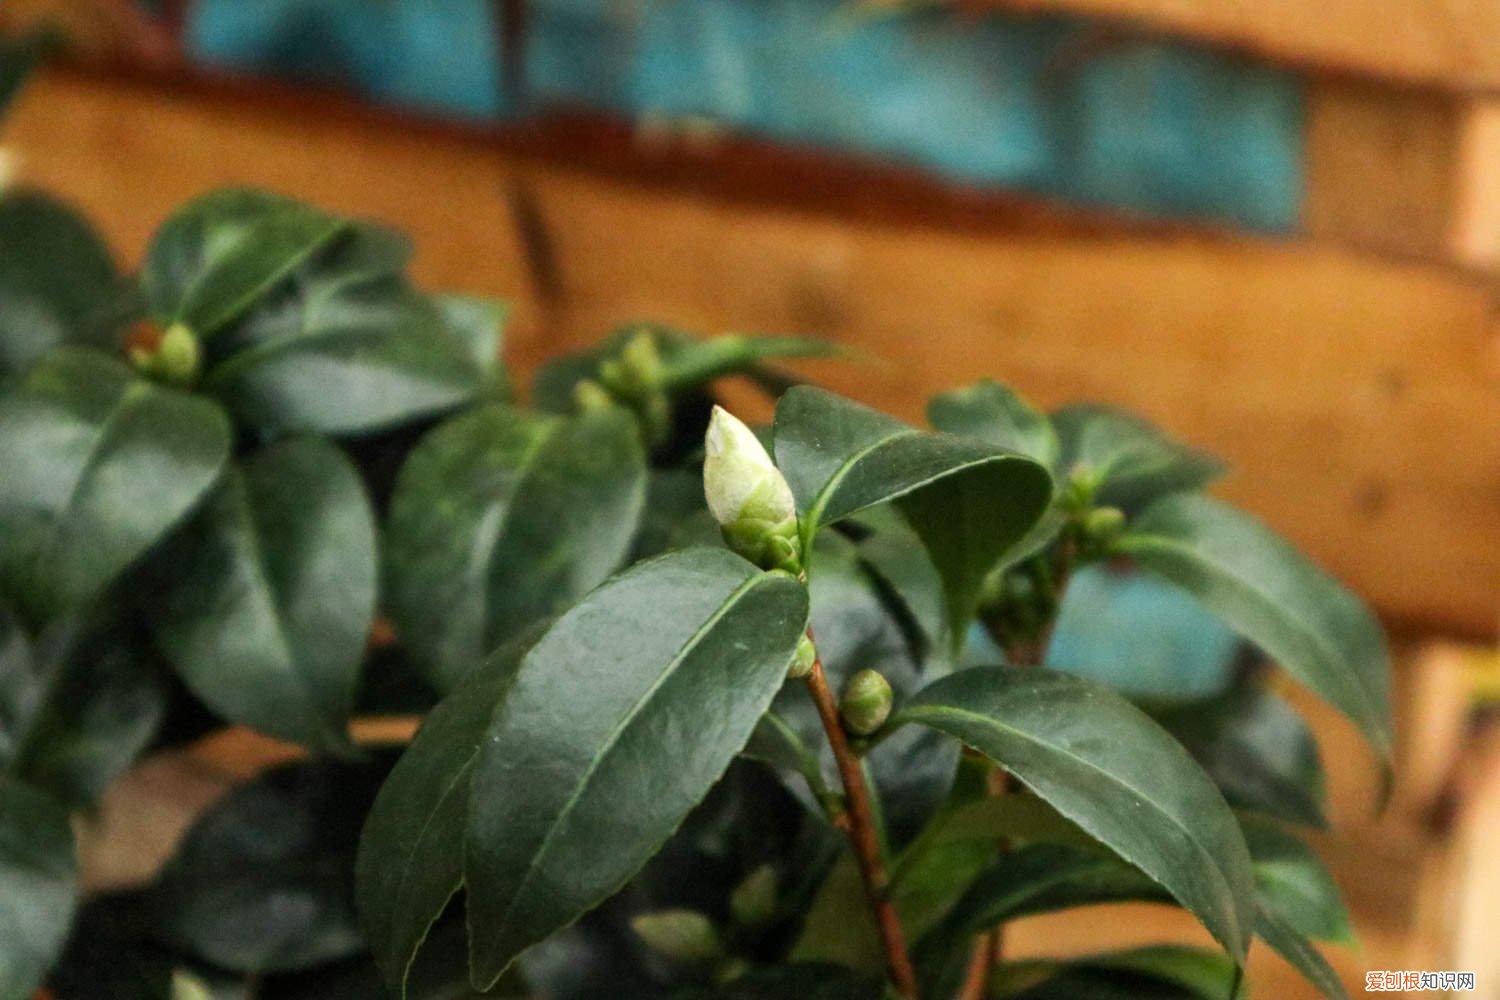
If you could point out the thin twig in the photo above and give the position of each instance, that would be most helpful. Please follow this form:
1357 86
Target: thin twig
863 836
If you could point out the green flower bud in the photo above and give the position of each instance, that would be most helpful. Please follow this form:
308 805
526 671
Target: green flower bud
753 901
748 495
866 703
176 358
186 986
681 935
803 659
637 369
1104 523
591 397
1079 489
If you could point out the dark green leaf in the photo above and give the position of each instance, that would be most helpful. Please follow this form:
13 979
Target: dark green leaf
969 501
1291 945
269 593
98 466
410 856
264 881
78 705
344 345
1132 460
1163 972
809 981
1258 750
220 254
618 722
501 518
1104 765
1269 593
1292 883
19 58
38 886
995 413
57 280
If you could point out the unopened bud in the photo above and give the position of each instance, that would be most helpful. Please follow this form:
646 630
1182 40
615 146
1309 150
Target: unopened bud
591 397
1104 523
637 369
748 495
681 935
753 901
176 358
866 703
803 659
186 986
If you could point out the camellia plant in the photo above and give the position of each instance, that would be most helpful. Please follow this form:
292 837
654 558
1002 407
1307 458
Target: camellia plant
705 711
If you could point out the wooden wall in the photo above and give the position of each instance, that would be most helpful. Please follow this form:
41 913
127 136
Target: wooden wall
1350 377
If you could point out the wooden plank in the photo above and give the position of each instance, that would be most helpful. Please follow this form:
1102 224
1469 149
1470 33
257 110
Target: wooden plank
1452 43
1355 396
1475 231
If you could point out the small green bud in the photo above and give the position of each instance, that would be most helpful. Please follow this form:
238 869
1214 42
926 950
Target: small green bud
176 358
866 703
681 935
186 986
643 359
748 495
753 901
1104 523
1079 489
591 397
803 659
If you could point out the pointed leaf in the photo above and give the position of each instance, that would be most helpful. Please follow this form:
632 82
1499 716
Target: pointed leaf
1291 945
501 518
38 885
98 466
1268 592
618 721
269 593
1161 972
410 860
1258 750
344 345
57 280
804 981
218 255
995 413
1107 767
1134 461
968 501
1292 883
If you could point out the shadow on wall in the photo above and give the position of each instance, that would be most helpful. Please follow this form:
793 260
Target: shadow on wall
1049 105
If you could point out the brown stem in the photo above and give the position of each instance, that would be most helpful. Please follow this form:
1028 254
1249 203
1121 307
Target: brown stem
863 836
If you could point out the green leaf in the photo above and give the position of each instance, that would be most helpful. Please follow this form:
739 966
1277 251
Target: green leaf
77 705
968 501
501 518
1297 950
1132 460
263 881
804 981
98 466
38 886
269 594
1160 972
1258 750
57 280
1107 767
995 413
480 323
1270 594
221 253
618 722
344 345
410 860
1293 884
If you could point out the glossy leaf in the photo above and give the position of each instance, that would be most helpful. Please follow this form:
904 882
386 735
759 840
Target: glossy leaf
1258 750
1293 884
501 518
1160 972
1104 765
410 860
220 254
98 466
263 881
38 885
344 345
1134 461
57 280
268 595
804 981
1293 946
1268 592
995 413
618 722
968 501
78 704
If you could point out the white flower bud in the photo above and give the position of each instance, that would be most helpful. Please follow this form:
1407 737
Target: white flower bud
739 479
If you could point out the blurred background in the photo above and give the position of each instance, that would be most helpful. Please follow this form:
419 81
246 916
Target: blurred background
1272 228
